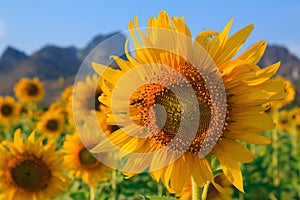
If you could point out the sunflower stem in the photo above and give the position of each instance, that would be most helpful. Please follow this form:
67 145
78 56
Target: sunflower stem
92 193
275 156
159 190
114 182
7 131
205 191
294 143
194 190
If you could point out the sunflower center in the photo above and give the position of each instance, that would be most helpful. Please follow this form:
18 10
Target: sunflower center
52 125
283 120
165 130
6 110
32 89
31 175
86 158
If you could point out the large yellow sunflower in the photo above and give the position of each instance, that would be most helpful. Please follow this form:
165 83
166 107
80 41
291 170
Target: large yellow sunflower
31 169
51 123
164 146
81 162
9 110
29 90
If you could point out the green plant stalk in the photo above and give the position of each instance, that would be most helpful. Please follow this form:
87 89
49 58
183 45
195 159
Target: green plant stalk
275 157
194 190
294 143
205 191
114 183
92 193
294 149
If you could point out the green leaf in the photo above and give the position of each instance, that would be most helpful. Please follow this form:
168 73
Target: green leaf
160 198
78 196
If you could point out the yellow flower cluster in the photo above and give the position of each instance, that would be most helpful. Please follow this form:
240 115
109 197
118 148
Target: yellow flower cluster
41 157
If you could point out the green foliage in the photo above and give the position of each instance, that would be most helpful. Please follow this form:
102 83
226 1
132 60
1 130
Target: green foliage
260 180
160 198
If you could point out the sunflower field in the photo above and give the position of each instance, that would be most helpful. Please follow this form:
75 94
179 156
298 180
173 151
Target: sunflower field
106 138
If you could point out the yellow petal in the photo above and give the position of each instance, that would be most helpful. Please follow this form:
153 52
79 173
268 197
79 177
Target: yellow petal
179 176
18 139
233 44
201 172
236 150
248 136
219 41
204 36
181 26
163 20
254 53
230 167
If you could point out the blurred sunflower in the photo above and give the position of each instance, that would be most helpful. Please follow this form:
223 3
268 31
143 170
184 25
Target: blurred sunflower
51 123
289 89
66 95
29 90
82 163
294 117
283 121
9 110
85 98
87 93
214 194
58 107
31 169
247 88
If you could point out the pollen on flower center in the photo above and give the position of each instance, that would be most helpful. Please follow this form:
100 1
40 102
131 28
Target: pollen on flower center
151 94
31 174
32 89
6 110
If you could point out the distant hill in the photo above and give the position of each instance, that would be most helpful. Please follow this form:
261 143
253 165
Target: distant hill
51 63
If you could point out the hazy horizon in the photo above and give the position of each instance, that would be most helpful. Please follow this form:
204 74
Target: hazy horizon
28 26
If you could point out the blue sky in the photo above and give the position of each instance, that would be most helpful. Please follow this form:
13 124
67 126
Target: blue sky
29 25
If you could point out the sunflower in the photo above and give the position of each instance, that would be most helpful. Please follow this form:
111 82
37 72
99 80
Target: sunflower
169 150
294 117
289 89
51 123
57 107
29 90
210 192
31 169
66 95
9 110
283 121
85 98
81 162
213 192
